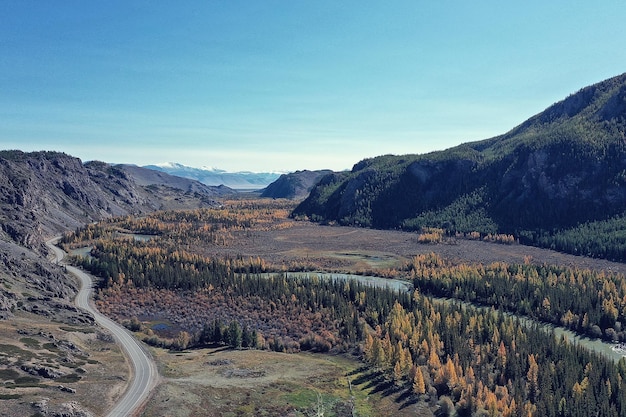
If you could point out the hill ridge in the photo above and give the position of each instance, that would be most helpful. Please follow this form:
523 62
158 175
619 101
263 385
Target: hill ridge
560 168
45 193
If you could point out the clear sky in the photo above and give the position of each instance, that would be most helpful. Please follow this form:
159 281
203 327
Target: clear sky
267 85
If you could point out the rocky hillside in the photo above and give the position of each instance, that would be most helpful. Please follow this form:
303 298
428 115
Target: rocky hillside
150 178
295 185
55 356
32 284
561 168
44 193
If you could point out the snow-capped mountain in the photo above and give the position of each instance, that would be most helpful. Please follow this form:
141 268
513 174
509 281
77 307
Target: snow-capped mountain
243 180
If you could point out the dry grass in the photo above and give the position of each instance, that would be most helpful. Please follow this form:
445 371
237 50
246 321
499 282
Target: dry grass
95 368
224 382
350 249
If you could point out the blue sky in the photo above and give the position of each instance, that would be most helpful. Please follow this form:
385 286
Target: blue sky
287 85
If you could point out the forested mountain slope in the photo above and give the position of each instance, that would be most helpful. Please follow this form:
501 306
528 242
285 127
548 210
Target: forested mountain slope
561 168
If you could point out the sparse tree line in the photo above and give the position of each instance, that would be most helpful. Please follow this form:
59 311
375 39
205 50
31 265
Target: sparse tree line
187 228
437 235
213 333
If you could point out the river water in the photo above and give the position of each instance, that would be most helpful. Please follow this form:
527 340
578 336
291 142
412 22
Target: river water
596 345
371 281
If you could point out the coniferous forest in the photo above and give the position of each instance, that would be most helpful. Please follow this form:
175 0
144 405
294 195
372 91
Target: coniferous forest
557 180
458 358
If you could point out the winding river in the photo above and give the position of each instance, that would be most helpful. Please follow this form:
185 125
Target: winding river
596 345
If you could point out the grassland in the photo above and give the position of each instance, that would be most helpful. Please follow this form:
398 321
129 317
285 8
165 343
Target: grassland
360 250
226 382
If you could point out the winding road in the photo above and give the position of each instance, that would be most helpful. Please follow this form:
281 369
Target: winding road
144 374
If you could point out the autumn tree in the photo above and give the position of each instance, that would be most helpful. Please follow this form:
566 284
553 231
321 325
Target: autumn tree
419 386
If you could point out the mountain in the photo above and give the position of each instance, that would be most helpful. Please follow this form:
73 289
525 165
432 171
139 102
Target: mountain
150 177
561 168
45 193
295 185
243 180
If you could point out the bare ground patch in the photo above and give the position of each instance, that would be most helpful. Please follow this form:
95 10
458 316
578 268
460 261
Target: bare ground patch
57 367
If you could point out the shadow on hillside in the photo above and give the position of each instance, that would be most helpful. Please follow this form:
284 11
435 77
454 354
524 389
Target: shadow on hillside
367 376
406 399
360 370
217 347
378 383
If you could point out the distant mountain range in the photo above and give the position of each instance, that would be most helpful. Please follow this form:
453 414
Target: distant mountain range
559 169
243 180
295 185
150 177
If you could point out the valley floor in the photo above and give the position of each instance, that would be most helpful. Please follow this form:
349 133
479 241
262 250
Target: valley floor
357 250
226 382
251 382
